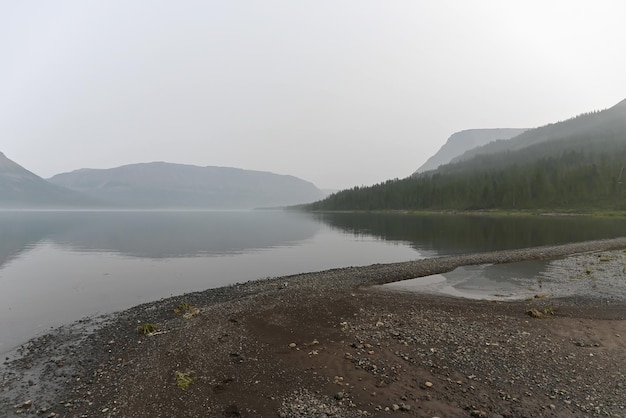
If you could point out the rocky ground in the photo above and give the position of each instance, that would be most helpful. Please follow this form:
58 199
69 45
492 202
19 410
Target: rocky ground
334 344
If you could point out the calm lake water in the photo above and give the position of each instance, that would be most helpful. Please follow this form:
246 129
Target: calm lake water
56 267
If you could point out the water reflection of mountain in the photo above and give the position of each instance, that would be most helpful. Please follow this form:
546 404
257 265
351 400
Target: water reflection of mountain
450 234
155 234
20 232
187 234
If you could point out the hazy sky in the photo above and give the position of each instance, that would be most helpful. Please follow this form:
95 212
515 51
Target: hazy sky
339 92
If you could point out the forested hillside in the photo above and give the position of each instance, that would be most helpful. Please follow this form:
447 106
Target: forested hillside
570 169
587 125
461 142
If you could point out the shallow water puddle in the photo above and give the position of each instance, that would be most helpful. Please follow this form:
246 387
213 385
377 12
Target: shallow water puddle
491 281
596 275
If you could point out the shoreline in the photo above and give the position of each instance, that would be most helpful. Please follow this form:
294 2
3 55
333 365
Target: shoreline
59 372
485 212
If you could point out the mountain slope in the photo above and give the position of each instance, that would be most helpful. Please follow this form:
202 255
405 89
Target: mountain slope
588 125
20 188
578 164
167 185
463 141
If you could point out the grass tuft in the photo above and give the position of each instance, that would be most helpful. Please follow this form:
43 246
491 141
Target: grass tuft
183 380
147 328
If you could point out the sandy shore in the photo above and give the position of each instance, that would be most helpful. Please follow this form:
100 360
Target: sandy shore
333 344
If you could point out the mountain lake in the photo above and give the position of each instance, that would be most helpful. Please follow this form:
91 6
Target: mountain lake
59 266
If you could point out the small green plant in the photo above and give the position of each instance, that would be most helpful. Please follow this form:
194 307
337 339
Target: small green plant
183 380
183 307
549 310
147 328
187 309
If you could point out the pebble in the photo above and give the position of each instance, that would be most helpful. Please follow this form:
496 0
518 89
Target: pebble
24 405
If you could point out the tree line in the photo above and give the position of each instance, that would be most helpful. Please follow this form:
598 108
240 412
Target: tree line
576 173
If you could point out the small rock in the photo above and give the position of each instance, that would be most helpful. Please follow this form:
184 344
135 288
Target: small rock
428 384
232 411
292 345
395 407
534 313
24 405
237 358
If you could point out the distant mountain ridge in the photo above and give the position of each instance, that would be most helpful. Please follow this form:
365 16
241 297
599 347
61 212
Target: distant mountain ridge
169 185
590 124
463 141
20 188
10 169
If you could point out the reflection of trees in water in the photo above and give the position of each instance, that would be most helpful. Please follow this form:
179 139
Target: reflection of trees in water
180 234
472 233
156 234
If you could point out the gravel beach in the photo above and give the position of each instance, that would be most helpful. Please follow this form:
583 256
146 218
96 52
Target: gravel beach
333 343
